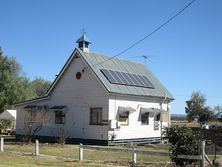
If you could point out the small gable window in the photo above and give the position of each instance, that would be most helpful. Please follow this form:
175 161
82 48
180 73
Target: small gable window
60 117
95 116
145 119
124 118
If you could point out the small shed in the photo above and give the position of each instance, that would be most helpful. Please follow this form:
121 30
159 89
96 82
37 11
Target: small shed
9 115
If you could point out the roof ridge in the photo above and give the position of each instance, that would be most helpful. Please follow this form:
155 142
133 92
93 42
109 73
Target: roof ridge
109 56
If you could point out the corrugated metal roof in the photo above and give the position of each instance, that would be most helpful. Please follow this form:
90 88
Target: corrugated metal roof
115 64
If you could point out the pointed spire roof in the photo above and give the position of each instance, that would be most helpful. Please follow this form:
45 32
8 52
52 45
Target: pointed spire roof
83 38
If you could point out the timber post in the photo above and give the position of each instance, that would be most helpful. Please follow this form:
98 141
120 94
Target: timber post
202 154
36 147
133 157
80 152
2 144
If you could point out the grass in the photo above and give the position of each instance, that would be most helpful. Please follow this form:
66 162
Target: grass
185 123
55 155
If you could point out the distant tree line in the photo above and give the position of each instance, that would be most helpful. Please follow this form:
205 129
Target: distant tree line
15 86
196 108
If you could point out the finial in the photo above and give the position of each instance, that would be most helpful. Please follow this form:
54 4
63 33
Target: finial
83 32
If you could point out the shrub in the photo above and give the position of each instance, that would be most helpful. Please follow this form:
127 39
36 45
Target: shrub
183 141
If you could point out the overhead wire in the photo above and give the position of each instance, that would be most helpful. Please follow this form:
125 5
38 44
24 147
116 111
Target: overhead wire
154 31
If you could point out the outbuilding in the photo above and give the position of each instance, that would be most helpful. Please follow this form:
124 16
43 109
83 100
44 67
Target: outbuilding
9 115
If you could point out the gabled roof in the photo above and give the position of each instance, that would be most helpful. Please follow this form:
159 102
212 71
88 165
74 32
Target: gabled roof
94 61
8 114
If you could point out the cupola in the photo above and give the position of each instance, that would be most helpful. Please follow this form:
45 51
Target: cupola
83 43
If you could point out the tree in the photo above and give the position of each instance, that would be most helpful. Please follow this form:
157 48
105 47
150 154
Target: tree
39 87
182 141
15 86
196 108
218 112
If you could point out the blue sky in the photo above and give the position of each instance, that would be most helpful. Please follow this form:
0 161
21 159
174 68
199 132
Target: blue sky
185 55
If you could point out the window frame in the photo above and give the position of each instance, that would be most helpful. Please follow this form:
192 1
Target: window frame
157 117
60 117
99 115
145 116
124 117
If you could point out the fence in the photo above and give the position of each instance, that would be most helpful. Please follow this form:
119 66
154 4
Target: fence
202 156
132 151
36 153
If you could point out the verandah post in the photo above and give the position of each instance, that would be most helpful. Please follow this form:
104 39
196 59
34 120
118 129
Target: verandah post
2 144
80 152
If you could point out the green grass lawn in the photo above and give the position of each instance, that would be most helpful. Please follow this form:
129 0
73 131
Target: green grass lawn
55 155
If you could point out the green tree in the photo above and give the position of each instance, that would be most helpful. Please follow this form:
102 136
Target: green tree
12 83
15 86
39 87
182 141
196 108
218 112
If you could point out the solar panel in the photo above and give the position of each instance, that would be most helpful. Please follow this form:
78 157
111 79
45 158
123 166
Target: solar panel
120 75
108 75
127 76
115 76
122 78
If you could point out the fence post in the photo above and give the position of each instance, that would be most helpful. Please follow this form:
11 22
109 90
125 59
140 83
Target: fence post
134 157
2 144
80 152
203 153
36 147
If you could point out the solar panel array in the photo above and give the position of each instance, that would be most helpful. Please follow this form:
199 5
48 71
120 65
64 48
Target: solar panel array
123 78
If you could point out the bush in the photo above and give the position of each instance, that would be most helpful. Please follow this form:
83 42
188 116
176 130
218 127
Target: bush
183 141
4 124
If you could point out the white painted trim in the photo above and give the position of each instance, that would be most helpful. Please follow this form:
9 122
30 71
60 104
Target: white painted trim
33 100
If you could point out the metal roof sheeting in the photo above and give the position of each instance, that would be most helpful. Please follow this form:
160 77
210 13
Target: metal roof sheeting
94 61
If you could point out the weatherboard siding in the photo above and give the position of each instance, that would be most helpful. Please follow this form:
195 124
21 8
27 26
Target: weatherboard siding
134 129
91 91
79 96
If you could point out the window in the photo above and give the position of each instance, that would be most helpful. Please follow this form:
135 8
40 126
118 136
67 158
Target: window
145 119
95 116
31 116
157 117
124 118
60 117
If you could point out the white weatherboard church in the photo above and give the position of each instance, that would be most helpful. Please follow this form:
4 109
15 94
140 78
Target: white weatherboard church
95 99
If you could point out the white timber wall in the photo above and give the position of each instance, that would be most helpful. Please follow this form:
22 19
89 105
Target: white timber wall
135 129
79 96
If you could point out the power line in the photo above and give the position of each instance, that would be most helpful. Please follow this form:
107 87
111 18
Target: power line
155 30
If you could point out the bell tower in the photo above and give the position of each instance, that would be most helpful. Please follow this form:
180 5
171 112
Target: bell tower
83 43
